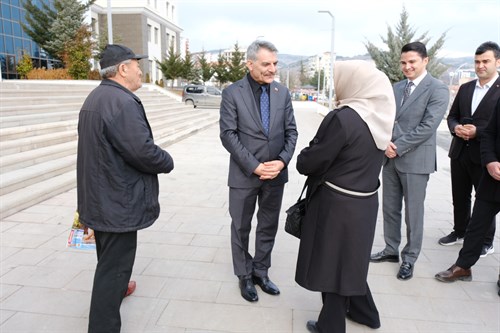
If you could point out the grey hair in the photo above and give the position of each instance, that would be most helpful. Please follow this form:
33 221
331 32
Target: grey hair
111 71
257 45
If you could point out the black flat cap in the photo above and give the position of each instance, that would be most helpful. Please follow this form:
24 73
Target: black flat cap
113 54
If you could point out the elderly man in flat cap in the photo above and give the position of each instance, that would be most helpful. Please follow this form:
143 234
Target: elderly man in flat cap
117 183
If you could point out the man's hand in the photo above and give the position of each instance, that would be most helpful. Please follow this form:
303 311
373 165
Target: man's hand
391 150
465 132
494 170
269 170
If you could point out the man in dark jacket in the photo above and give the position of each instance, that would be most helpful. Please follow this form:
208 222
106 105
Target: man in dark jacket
117 182
486 206
469 114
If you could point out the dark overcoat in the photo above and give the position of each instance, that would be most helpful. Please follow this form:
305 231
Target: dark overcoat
338 230
489 188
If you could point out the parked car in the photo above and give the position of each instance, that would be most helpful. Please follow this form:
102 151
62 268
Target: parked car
200 95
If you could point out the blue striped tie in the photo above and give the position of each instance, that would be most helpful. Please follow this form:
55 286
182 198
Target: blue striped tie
264 109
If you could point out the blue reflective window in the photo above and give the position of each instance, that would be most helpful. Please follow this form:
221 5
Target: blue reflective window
17 29
5 10
18 45
15 3
9 45
16 15
2 45
27 45
7 27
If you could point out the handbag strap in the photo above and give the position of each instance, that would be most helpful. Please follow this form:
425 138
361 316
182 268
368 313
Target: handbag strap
303 189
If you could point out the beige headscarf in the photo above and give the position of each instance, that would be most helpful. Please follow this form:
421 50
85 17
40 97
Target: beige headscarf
366 90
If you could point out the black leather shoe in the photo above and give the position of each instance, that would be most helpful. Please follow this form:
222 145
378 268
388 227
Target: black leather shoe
248 290
312 326
266 285
405 271
383 256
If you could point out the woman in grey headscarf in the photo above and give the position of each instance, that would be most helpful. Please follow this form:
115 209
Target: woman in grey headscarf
343 163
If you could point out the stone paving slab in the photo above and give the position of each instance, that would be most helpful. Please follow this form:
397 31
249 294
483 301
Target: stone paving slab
184 271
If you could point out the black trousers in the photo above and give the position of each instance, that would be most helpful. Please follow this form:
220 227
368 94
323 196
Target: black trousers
242 203
464 175
361 309
478 227
115 260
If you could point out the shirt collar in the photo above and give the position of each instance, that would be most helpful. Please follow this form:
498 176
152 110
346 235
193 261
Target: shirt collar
419 79
488 84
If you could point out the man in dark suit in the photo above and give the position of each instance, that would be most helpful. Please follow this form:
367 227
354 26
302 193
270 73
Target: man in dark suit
421 102
486 205
257 127
469 114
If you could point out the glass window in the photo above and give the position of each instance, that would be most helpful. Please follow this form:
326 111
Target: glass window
149 33
9 44
17 29
11 63
7 27
16 15
15 3
1 26
5 10
27 46
156 35
2 45
18 45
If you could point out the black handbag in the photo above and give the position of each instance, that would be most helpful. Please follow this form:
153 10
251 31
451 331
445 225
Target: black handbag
294 216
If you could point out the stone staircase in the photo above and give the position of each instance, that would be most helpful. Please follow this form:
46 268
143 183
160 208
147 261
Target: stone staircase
38 134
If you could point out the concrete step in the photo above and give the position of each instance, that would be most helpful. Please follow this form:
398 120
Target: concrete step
17 132
35 142
31 157
17 179
38 140
28 196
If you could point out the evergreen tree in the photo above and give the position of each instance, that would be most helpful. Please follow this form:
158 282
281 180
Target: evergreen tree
189 72
314 80
206 68
304 79
64 28
388 61
220 70
236 67
172 66
39 19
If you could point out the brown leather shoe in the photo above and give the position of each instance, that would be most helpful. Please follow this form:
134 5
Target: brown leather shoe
453 274
130 288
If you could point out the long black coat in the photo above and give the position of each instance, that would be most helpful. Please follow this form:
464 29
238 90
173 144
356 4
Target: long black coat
489 188
338 230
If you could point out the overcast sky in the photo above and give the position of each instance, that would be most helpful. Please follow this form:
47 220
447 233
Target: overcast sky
296 27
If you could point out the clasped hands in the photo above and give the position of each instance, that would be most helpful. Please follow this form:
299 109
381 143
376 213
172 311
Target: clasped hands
466 132
269 170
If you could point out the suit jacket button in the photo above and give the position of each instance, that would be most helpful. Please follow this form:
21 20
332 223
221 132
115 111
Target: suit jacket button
315 140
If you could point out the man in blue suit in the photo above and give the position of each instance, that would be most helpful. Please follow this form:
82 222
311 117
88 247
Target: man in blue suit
421 103
257 128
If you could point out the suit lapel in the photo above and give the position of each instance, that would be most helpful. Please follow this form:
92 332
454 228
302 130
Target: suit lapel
493 91
249 100
419 90
273 94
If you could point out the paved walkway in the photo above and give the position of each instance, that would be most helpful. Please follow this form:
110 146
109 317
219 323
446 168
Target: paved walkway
184 272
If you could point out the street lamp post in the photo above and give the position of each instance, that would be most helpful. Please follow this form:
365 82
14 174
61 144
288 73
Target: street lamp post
332 57
319 76
110 24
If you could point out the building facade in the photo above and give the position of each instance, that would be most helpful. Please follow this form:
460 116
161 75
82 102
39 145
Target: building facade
14 42
149 28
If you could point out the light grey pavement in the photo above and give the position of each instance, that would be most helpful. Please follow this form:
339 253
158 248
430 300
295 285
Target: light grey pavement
184 273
